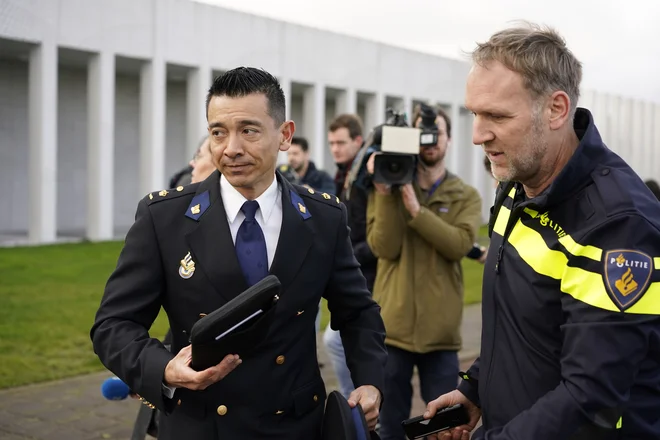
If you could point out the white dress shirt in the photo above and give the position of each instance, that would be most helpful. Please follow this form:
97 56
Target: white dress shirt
268 216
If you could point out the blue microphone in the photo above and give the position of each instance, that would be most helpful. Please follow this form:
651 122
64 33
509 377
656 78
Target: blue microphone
114 388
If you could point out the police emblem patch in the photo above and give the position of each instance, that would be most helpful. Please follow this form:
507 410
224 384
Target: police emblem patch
187 267
627 275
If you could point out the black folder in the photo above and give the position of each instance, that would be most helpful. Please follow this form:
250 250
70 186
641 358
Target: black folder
238 327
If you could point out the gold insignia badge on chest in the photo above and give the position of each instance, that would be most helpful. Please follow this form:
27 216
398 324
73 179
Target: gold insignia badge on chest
187 268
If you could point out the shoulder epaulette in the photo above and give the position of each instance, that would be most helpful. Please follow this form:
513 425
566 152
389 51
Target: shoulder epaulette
172 193
329 199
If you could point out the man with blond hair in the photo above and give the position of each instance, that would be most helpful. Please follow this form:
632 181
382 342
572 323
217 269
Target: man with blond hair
571 291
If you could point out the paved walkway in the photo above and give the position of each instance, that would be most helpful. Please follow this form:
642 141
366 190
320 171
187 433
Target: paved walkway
73 409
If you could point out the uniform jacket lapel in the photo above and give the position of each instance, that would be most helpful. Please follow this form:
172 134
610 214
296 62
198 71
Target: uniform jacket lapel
212 247
296 237
211 244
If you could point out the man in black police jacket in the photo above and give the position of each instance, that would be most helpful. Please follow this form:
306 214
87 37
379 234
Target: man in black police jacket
570 347
297 234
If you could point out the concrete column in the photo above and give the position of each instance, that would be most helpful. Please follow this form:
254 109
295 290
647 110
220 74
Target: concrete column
648 170
613 114
655 154
152 126
100 146
637 137
407 107
375 111
457 141
42 110
347 101
198 84
314 119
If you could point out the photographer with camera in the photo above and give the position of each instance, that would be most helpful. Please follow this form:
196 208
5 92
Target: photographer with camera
421 221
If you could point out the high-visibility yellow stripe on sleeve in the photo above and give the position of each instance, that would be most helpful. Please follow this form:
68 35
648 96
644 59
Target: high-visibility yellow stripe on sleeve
585 286
579 250
656 263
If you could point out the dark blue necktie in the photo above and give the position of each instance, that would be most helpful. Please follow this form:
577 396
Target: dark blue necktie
251 245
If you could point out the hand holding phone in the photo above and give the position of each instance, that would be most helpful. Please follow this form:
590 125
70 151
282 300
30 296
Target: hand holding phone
446 418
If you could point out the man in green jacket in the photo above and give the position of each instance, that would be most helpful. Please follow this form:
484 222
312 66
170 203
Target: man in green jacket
420 232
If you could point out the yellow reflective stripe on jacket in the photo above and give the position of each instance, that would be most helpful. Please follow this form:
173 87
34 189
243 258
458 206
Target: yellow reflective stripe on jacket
532 248
656 262
581 284
579 250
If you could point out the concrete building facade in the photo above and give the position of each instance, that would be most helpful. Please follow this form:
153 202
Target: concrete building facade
100 102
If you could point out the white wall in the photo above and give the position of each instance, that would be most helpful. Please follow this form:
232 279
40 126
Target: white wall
182 33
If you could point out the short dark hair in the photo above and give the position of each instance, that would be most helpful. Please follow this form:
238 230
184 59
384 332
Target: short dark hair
300 141
351 122
244 81
417 113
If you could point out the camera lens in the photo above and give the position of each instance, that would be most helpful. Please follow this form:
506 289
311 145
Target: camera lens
394 167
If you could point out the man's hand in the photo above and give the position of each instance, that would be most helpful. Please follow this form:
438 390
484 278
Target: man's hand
450 399
484 255
179 374
369 398
410 199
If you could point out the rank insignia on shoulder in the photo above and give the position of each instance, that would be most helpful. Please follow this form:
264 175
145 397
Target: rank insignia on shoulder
627 274
326 196
198 205
163 193
187 267
298 203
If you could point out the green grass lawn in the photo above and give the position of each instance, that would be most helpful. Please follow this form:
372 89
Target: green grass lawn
48 299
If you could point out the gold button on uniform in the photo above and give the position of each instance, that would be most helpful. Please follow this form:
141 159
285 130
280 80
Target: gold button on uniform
222 410
316 398
280 360
178 402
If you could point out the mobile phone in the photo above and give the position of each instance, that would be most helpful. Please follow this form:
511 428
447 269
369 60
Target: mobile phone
446 418
475 253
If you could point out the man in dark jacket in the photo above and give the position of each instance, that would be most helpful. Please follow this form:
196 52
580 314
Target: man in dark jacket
193 249
345 140
571 294
308 174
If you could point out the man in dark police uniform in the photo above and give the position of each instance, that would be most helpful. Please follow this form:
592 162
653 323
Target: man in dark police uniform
570 347
187 253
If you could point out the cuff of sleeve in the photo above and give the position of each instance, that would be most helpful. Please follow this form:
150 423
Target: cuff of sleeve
154 372
469 388
418 220
168 391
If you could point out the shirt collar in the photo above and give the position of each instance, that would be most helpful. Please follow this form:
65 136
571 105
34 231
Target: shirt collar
233 200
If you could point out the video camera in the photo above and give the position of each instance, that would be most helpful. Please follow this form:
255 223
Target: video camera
399 145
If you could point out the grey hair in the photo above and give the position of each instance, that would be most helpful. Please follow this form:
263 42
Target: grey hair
540 55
